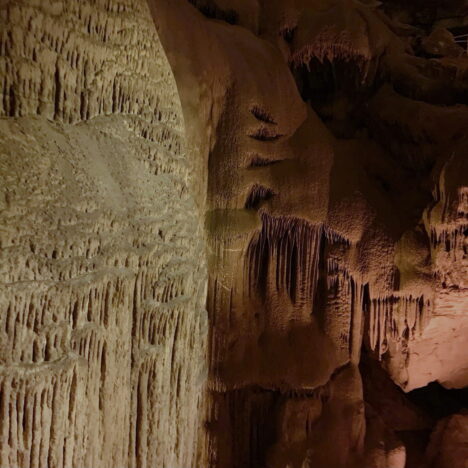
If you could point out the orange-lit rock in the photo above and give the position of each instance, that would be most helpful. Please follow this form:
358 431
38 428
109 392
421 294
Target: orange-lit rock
298 169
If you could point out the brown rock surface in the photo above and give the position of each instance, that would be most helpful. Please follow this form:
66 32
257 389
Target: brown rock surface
102 273
327 218
448 446
323 142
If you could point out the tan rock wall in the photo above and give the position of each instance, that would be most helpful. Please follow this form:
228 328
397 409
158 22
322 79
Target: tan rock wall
102 276
326 132
323 148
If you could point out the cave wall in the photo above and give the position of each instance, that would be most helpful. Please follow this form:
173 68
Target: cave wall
296 168
103 276
334 134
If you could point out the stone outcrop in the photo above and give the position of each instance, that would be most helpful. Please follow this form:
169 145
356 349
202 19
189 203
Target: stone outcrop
334 140
448 447
297 168
103 277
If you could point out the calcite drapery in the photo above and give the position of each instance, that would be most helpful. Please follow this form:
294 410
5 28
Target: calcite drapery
321 215
325 142
103 278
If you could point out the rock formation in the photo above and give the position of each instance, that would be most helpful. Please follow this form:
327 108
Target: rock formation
103 276
335 145
298 168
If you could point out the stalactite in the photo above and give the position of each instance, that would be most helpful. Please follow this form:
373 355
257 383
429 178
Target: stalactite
284 256
397 318
102 272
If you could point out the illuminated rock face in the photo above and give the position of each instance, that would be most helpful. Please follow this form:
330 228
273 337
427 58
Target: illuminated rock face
334 136
318 147
102 277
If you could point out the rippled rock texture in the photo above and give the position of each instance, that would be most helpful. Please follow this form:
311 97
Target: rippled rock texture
102 272
334 135
298 168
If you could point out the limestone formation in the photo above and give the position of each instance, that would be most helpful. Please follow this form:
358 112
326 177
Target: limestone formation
102 284
334 136
249 254
448 446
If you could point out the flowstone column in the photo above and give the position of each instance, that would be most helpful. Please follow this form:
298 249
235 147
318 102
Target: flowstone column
102 272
